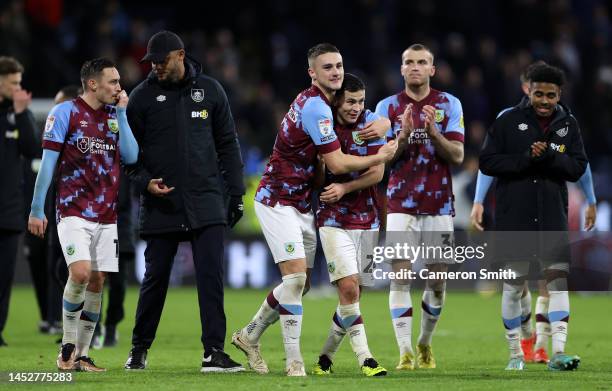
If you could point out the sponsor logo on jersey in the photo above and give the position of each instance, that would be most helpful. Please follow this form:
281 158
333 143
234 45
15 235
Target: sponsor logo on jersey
197 94
439 117
523 127
94 145
558 147
325 126
200 114
113 125
419 136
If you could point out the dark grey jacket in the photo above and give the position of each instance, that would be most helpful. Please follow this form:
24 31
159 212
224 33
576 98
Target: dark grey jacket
187 137
531 194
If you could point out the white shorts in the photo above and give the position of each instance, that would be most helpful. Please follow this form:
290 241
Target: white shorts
84 240
289 233
419 230
345 251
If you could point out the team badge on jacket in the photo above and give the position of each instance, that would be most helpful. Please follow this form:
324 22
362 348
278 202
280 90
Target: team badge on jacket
113 125
197 94
563 131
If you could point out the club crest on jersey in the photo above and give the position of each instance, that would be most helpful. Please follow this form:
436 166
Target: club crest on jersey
325 126
356 138
439 117
113 125
563 131
289 248
197 94
83 144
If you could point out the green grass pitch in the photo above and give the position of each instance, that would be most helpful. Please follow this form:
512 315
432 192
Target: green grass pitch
469 347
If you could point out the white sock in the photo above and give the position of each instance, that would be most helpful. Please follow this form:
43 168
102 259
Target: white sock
511 315
290 311
335 336
265 316
87 322
432 307
558 315
74 296
400 305
542 323
353 323
526 329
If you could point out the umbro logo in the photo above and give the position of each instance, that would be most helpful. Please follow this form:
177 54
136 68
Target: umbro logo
523 126
161 98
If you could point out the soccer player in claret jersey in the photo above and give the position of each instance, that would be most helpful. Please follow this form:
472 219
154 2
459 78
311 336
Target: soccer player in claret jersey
85 138
283 203
348 223
428 125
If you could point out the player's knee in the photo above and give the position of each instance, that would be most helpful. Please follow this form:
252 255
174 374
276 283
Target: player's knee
513 291
96 282
293 284
80 274
348 287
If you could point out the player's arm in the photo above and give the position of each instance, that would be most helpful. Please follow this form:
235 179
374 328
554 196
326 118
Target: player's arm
586 185
494 162
483 182
37 222
128 146
375 129
335 191
317 121
319 173
450 150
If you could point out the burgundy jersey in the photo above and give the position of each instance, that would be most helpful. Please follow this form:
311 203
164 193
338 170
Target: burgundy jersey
359 209
88 166
420 181
306 130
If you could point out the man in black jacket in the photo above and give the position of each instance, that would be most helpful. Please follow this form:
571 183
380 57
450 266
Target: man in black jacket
189 163
17 139
533 149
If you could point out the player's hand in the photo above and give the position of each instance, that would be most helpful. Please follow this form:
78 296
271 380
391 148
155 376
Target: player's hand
476 216
538 149
590 216
158 188
375 129
122 99
235 210
407 123
21 100
430 120
388 150
333 193
37 227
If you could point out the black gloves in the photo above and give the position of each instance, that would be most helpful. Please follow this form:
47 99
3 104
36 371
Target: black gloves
235 210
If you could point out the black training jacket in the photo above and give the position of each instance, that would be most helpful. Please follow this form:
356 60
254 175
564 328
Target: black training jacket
187 137
17 138
531 194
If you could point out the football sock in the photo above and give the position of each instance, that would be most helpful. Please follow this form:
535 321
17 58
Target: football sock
542 323
265 316
400 305
353 324
335 336
432 307
87 322
558 315
74 296
511 316
290 312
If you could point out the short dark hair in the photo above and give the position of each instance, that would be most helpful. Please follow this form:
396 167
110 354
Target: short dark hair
544 73
93 68
351 83
71 91
530 67
9 65
418 47
319 49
